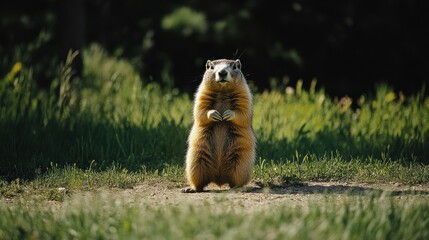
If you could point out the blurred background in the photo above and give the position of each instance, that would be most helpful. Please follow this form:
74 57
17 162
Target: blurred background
349 46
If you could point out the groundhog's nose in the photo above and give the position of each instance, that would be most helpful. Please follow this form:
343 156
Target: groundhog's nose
222 73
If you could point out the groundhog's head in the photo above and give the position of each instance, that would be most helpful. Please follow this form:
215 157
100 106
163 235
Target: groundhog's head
223 73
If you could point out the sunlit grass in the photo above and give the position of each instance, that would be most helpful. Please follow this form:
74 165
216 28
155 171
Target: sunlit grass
334 168
388 126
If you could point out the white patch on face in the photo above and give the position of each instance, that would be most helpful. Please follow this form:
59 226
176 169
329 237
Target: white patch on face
220 70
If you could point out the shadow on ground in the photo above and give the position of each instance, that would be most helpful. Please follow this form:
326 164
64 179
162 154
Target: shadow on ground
303 188
324 188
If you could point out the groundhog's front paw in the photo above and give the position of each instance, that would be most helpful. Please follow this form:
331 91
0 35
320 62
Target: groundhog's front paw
214 115
228 115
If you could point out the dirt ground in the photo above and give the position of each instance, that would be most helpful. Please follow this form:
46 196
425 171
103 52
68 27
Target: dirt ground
251 198
254 197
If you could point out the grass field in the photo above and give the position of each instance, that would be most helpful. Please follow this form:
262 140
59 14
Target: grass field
111 129
118 218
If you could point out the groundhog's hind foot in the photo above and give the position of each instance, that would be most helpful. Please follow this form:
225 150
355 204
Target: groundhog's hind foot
191 190
188 190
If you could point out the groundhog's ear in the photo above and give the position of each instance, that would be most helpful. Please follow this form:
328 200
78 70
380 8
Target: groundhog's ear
209 65
237 64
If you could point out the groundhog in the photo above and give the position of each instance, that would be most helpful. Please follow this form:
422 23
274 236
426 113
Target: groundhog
221 144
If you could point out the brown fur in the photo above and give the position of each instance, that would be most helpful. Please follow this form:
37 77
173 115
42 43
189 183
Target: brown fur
223 151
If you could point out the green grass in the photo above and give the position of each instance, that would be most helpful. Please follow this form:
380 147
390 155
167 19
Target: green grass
334 168
105 217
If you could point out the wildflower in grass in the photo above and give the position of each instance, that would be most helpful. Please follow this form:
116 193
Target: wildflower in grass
17 67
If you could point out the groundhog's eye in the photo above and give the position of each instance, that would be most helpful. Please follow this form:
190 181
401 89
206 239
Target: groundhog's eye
211 67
